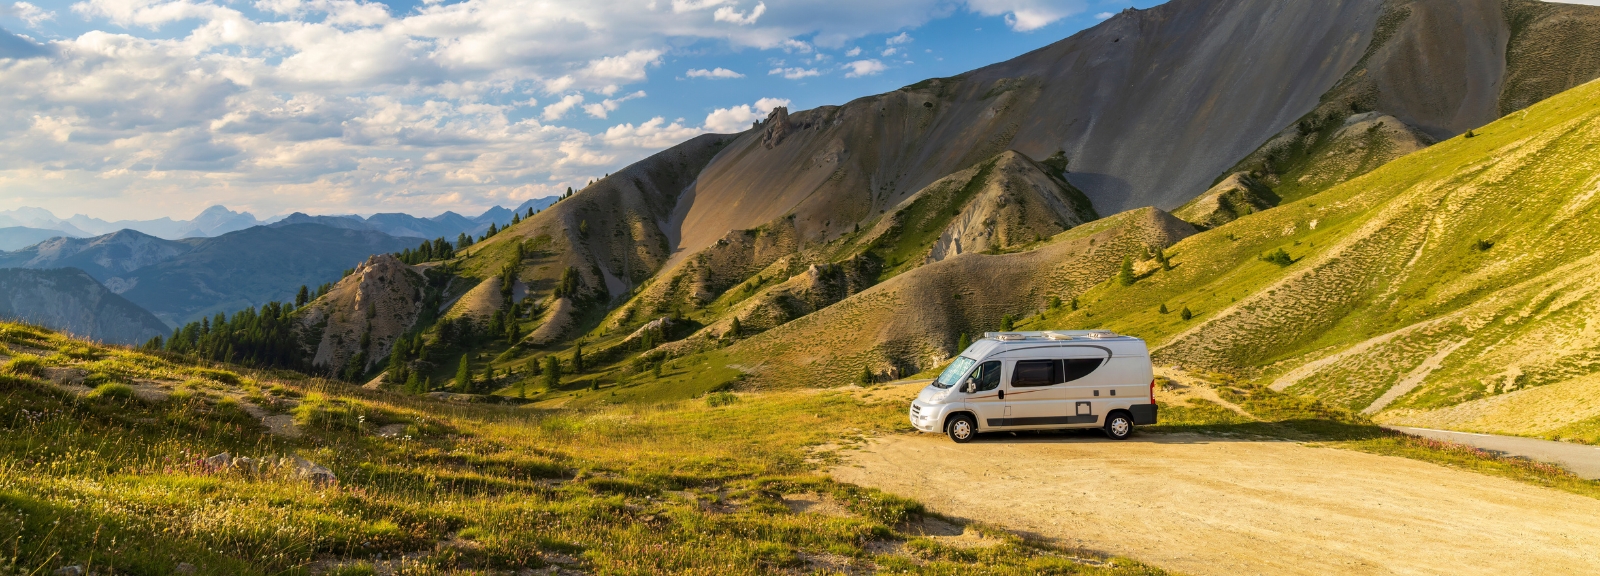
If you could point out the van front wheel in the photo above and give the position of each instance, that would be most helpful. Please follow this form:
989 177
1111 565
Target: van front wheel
1119 426
961 428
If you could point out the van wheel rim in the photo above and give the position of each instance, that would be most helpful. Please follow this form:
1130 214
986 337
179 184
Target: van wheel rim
1119 427
962 429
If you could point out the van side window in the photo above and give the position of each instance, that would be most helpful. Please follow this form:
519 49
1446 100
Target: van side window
1033 373
987 375
1076 368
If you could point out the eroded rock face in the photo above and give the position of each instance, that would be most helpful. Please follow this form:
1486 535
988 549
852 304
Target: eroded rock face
1017 202
378 303
777 127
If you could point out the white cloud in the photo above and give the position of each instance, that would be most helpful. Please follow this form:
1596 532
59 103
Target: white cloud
861 68
903 38
31 14
729 14
338 105
738 118
1026 15
1103 15
794 73
600 109
559 109
889 52
715 73
852 53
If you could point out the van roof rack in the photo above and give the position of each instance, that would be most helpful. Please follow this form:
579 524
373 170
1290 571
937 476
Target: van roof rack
1010 336
1057 336
1101 334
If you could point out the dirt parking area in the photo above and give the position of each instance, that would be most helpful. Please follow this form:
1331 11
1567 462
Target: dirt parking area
1204 505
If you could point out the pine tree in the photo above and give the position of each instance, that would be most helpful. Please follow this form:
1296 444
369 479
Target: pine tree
533 367
734 329
1163 309
464 376
1186 314
865 378
1161 257
414 385
1074 304
963 343
552 373
577 359
1007 323
301 298
1125 277
656 371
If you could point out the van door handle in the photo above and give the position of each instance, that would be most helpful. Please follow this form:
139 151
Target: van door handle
1002 394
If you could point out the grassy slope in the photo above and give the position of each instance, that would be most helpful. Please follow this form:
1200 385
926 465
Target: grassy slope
1389 273
115 483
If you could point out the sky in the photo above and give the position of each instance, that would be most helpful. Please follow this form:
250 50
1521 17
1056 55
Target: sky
137 109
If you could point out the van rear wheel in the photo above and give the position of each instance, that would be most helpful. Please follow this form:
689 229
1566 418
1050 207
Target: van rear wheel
961 428
1119 426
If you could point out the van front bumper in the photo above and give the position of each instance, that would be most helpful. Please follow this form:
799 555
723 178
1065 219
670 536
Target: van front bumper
924 418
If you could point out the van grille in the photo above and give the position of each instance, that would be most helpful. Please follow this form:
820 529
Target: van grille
916 410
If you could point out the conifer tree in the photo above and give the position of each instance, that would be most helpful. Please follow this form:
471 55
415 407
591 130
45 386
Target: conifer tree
577 359
1161 257
1007 323
1163 309
464 376
1186 314
963 343
301 298
1125 277
734 329
865 378
552 373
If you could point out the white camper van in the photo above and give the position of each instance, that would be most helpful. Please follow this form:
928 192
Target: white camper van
1041 381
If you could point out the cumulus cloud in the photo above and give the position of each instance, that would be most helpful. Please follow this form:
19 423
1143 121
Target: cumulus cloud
714 73
852 53
32 15
1027 15
861 68
600 109
559 109
729 14
794 73
738 118
903 38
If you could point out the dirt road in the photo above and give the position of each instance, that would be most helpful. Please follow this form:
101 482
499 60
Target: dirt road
1203 505
1580 459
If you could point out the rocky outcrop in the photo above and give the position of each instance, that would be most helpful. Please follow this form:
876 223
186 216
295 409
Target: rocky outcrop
1238 195
375 305
1016 202
71 301
776 127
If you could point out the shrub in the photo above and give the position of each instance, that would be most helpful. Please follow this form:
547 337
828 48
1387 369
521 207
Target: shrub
1482 245
716 399
115 390
1186 314
1279 257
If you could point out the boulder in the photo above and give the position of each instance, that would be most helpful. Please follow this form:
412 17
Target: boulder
318 475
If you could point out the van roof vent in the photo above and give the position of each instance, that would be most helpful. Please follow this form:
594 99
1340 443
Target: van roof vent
1057 336
1010 337
1102 334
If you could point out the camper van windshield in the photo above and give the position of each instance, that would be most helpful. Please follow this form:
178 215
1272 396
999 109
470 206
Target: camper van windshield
953 374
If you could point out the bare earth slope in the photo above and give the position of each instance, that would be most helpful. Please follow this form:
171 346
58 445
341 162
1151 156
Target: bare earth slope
1148 106
1205 506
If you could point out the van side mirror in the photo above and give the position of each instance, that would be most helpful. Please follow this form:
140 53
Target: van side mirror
972 385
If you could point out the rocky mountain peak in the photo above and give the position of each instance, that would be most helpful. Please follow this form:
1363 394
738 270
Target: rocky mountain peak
777 127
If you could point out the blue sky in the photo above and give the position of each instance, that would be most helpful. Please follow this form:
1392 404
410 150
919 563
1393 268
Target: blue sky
148 108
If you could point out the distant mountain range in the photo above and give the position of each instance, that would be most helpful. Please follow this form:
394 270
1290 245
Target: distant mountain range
71 301
184 280
26 226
